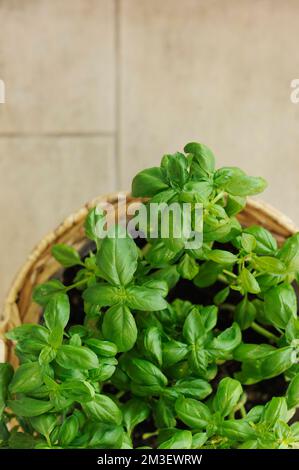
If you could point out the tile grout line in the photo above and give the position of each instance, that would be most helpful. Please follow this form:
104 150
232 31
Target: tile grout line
55 134
117 161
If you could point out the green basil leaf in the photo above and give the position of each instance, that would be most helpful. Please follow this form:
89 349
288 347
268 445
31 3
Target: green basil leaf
174 352
251 444
74 357
276 409
119 327
292 330
29 407
235 182
126 442
44 424
6 374
57 312
245 313
289 253
44 292
101 295
168 275
28 350
269 280
269 264
102 347
293 392
268 365
203 158
145 373
148 182
47 355
280 305
216 210
248 352
164 196
193 328
248 242
207 274
117 257
103 409
103 372
179 440
295 430
215 230
199 360
107 437
94 223
164 415
187 267
228 394
153 344
180 310
68 430
193 413
237 430
249 282
226 174
254 414
196 191
193 388
222 257
29 331
59 401
145 298
148 319
260 311
21 440
66 255
77 390
134 412
75 340
159 255
228 340
175 228
221 296
235 229
277 362
160 286
199 439
209 316
27 378
139 390
176 169
265 242
56 337
234 205
4 434
79 330
179 370
64 374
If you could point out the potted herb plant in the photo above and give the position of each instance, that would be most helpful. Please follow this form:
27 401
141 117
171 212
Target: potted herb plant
149 344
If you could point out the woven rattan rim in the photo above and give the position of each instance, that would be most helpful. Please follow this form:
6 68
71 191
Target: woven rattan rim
40 265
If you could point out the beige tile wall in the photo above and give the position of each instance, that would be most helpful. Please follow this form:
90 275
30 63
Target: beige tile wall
218 71
98 89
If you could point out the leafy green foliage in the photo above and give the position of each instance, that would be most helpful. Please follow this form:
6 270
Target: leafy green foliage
145 357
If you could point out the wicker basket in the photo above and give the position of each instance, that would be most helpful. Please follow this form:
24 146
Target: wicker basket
40 265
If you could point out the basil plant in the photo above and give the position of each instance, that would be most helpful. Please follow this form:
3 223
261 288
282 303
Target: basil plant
178 348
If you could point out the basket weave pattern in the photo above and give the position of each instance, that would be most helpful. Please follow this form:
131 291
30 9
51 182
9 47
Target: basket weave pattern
41 266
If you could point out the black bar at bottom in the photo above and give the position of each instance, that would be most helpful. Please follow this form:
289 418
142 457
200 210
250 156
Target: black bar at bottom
131 459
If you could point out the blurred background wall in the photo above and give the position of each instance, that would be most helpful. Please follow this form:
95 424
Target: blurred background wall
98 89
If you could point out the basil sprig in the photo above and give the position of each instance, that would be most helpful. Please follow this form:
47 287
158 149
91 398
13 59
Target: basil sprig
175 342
